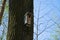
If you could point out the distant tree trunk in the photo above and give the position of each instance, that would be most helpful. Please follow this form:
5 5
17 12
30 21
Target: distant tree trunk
2 10
17 9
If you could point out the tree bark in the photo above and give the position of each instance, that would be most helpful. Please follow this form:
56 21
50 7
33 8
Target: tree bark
17 9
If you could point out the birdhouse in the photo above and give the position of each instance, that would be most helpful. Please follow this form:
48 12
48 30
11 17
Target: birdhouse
28 18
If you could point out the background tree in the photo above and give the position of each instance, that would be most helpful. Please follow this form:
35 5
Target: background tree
2 9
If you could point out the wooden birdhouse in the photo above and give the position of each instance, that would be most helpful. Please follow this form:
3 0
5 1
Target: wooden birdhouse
28 18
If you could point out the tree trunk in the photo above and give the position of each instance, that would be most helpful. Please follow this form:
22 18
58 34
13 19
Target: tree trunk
17 9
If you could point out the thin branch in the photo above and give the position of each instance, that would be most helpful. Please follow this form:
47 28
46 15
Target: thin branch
46 29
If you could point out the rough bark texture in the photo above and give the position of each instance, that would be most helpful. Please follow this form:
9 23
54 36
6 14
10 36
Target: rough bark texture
17 9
